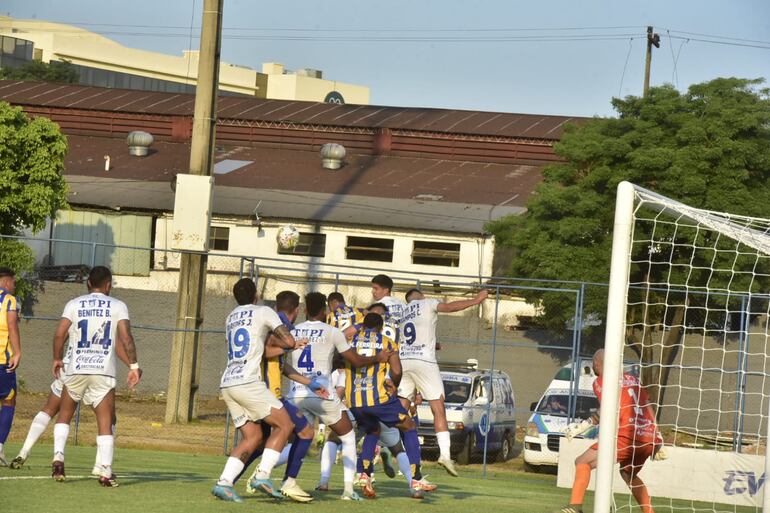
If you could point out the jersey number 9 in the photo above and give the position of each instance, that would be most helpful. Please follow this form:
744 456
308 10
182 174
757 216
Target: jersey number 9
410 333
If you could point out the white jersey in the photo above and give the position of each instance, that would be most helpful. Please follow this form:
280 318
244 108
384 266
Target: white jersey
92 334
247 328
315 359
395 307
418 331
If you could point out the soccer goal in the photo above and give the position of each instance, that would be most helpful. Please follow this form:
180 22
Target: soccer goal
689 302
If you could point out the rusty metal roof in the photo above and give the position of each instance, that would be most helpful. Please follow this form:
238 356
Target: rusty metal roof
448 121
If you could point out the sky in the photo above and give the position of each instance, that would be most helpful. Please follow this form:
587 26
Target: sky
562 57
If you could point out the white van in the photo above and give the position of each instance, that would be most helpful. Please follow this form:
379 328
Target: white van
549 418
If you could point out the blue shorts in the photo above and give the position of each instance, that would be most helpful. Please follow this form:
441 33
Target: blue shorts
7 384
299 420
389 413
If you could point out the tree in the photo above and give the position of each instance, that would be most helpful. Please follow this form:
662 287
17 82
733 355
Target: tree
32 185
38 71
709 148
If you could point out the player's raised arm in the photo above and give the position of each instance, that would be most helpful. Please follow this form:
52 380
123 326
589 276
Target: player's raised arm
283 338
457 306
59 339
126 340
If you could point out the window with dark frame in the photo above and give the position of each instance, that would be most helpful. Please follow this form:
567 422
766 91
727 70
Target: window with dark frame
446 254
369 248
310 244
219 238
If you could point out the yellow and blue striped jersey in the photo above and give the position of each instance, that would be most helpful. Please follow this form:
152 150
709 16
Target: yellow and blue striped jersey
345 316
272 371
366 385
8 304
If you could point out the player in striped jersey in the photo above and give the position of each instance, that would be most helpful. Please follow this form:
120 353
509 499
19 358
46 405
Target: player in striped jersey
371 404
342 316
10 354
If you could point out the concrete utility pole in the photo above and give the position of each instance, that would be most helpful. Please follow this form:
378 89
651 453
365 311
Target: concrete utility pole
652 39
184 372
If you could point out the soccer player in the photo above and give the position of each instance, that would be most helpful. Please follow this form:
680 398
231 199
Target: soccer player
51 408
417 351
371 404
10 354
315 361
246 394
638 440
94 323
382 287
342 316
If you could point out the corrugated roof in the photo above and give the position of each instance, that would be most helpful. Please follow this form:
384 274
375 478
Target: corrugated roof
447 121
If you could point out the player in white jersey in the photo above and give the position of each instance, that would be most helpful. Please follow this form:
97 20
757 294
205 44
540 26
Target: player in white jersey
94 323
417 350
247 396
382 287
314 361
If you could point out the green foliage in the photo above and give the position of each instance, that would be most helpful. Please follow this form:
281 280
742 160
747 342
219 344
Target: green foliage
32 185
38 71
709 148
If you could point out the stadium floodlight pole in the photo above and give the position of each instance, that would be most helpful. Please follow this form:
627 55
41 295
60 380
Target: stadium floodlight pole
184 371
613 345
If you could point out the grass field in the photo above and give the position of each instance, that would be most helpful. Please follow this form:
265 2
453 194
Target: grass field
160 482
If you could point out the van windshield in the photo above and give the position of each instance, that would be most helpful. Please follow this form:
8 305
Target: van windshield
456 392
557 404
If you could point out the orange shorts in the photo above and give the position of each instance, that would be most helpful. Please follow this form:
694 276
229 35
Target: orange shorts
631 456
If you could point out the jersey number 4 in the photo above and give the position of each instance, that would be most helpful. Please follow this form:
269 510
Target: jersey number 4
103 332
306 360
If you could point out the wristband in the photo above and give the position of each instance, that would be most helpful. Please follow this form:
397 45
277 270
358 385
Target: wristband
134 366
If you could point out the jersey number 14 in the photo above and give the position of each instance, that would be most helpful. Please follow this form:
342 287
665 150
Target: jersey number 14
103 332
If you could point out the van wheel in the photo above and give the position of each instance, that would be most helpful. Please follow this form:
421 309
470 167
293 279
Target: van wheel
506 447
464 456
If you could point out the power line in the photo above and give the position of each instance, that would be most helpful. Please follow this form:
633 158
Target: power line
623 76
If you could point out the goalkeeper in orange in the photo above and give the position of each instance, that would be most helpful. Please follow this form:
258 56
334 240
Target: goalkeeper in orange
638 440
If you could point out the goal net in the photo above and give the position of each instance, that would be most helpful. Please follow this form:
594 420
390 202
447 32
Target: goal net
689 304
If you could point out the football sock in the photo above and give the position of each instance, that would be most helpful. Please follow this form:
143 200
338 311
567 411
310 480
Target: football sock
582 477
296 456
233 467
367 452
60 434
412 446
348 459
269 459
404 466
106 448
443 444
284 457
38 427
254 457
6 420
328 455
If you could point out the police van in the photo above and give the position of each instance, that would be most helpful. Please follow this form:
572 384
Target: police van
479 408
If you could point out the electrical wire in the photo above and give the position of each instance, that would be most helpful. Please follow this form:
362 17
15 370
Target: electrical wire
623 76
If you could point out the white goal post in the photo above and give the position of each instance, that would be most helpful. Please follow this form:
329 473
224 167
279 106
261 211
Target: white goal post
689 302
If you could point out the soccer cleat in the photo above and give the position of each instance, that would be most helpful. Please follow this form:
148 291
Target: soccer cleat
350 496
424 485
448 465
570 508
109 482
225 493
365 482
415 490
17 462
265 486
387 466
57 471
3 461
295 493
322 487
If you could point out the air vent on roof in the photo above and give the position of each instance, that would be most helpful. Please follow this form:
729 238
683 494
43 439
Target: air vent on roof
332 155
139 143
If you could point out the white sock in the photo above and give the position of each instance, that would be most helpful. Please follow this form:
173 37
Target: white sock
348 459
38 427
444 444
328 455
284 457
106 447
1 447
267 463
60 434
98 459
404 466
233 467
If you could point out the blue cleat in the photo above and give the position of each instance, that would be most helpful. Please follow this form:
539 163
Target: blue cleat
265 486
225 493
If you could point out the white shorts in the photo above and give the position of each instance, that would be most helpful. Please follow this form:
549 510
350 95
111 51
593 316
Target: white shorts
89 389
328 411
56 387
250 402
421 376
